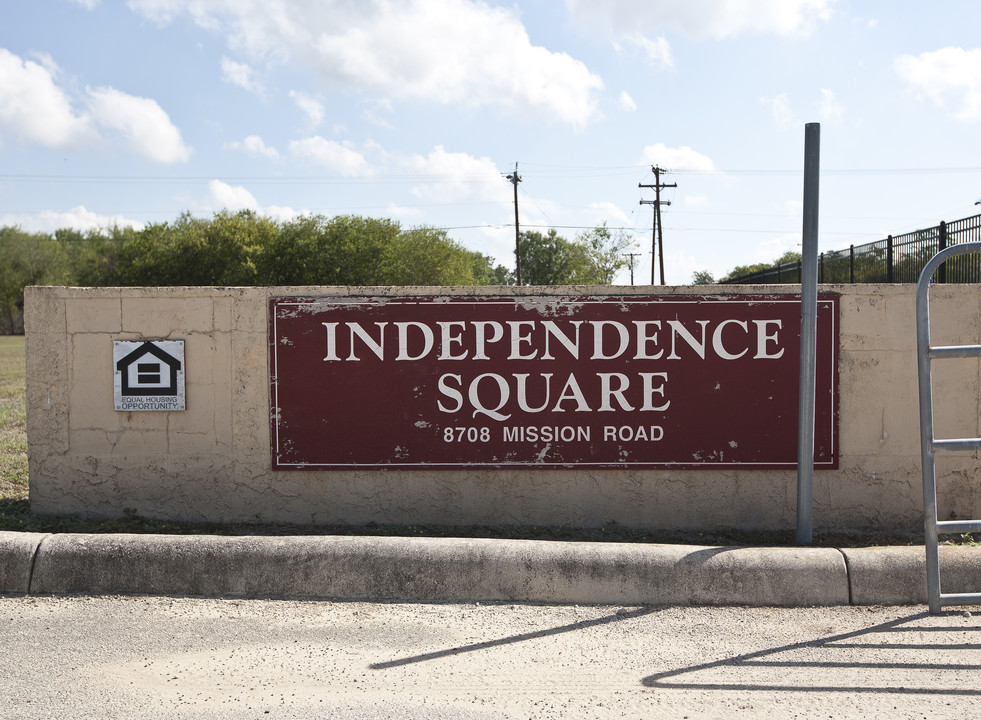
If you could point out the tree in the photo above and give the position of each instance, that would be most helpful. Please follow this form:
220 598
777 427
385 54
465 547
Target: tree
609 251
702 277
593 258
550 259
291 256
740 270
352 250
93 255
485 272
25 259
426 256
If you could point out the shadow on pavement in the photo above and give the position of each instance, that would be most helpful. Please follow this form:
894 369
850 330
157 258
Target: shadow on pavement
607 619
758 662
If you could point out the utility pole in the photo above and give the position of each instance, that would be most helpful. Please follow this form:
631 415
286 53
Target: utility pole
657 234
631 263
514 179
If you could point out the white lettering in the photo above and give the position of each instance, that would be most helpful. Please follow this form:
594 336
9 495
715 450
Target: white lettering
551 329
331 341
446 352
762 338
643 338
607 393
572 391
377 347
480 329
598 326
650 391
678 329
427 340
717 340
626 433
451 393
519 338
522 380
474 395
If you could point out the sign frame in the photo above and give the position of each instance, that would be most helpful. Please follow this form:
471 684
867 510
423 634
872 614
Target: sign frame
286 312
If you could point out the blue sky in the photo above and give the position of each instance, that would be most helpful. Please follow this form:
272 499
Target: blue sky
132 112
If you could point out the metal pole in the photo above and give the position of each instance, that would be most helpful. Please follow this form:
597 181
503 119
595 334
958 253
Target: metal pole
654 244
942 245
515 179
808 335
660 229
889 259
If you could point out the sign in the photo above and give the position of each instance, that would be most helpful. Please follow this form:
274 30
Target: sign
546 382
148 375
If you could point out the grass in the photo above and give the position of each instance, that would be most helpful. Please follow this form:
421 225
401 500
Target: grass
15 511
13 428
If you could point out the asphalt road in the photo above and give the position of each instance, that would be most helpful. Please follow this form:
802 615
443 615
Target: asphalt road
165 657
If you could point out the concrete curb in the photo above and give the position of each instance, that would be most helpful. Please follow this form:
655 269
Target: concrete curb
897 575
17 553
448 569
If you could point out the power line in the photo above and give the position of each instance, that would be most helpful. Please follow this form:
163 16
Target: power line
566 171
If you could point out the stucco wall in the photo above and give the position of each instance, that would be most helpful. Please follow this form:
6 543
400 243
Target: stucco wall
212 461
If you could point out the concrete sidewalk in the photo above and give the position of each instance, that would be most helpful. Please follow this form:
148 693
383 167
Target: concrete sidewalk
450 569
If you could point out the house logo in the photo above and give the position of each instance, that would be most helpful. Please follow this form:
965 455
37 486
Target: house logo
148 375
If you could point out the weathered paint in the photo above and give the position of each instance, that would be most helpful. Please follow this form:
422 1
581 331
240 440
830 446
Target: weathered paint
212 461
586 381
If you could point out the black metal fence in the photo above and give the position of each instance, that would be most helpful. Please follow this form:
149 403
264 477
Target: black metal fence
898 259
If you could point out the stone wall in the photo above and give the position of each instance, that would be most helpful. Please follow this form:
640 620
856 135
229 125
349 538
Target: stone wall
212 461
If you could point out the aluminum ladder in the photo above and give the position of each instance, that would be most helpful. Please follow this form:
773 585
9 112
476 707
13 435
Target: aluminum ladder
929 445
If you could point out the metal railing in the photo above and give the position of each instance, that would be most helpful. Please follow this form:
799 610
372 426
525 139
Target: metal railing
930 445
898 259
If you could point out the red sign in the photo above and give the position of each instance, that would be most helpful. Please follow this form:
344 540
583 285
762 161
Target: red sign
509 382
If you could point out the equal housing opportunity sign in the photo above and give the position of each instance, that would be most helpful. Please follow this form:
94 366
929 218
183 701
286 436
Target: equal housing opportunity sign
505 382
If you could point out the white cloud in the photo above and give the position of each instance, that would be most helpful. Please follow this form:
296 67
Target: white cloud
34 108
142 122
608 212
714 18
338 157
373 119
222 196
454 51
658 52
627 102
78 218
311 107
831 109
234 198
675 159
783 113
404 213
254 145
87 4
949 77
455 176
240 74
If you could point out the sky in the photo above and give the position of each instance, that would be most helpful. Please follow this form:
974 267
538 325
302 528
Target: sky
132 112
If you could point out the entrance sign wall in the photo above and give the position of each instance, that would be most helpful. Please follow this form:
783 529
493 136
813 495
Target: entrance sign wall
213 460
532 382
